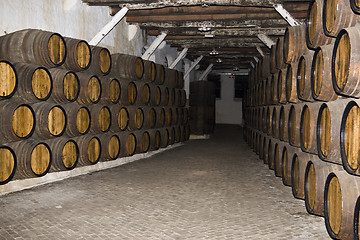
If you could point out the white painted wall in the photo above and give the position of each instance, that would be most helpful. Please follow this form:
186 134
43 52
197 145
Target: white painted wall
228 108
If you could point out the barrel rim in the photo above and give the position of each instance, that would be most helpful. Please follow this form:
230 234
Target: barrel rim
16 79
50 160
301 130
292 108
15 165
90 60
34 120
110 119
301 59
325 29
66 119
294 156
285 148
65 48
51 83
306 188
78 84
285 49
148 146
313 63
110 58
127 121
333 62
355 8
356 217
135 143
307 37
118 99
89 114
77 154
99 80
100 151
115 135
318 142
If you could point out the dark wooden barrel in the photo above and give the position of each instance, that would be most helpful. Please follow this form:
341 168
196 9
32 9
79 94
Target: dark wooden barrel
164 137
100 118
51 120
19 122
281 84
294 124
356 226
273 68
90 89
315 36
100 61
34 82
303 77
349 137
337 14
127 66
33 157
171 131
65 154
180 82
136 118
265 67
171 77
8 79
269 112
78 119
156 97
328 130
355 6
66 85
168 100
308 120
279 148
321 84
268 87
340 195
283 123
155 139
127 144
175 116
274 88
177 133
142 141
345 62
111 90
129 92
160 74
298 167
294 43
291 84
144 93
149 71
270 153
89 149
263 119
286 163
149 118
275 117
279 59
123 118
160 117
316 173
168 116
78 56
265 145
8 162
46 49
110 146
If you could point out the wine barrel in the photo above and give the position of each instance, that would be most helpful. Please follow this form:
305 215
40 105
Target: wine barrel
268 87
8 79
274 88
127 66
164 137
171 77
286 163
355 6
275 117
19 122
282 86
271 153
298 167
269 112
345 62
186 116
149 118
129 92
294 124
100 118
175 116
321 84
111 90
283 123
316 173
263 119
51 120
291 84
279 149
65 153
168 116
177 133
149 75
279 59
294 43
110 146
123 118
172 96
136 118
340 196
160 74
34 82
66 85
155 139
315 36
46 49
89 149
273 68
142 141
180 82
338 15
78 119
259 119
90 89
266 148
261 145
128 144
78 56
8 162
265 67
328 129
349 137
33 157
160 117
303 77
144 93
100 61
308 120
156 96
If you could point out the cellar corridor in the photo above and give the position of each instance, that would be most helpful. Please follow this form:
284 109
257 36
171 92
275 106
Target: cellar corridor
204 189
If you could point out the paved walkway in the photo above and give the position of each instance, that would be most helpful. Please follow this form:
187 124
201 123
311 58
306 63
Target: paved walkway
204 189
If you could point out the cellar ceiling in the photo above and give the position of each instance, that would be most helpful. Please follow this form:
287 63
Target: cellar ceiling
229 28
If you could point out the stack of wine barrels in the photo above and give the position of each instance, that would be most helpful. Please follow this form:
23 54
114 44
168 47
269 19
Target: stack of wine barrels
303 118
202 107
67 104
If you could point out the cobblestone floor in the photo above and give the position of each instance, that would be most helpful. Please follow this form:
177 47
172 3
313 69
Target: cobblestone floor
204 189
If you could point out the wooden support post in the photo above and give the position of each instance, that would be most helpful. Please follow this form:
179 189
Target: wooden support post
179 58
193 65
108 27
206 72
266 40
154 45
286 15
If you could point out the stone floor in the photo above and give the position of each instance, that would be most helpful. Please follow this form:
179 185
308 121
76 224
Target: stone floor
204 189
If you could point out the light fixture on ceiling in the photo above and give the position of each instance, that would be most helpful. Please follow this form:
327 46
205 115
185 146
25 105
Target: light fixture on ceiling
204 28
214 52
235 69
219 60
